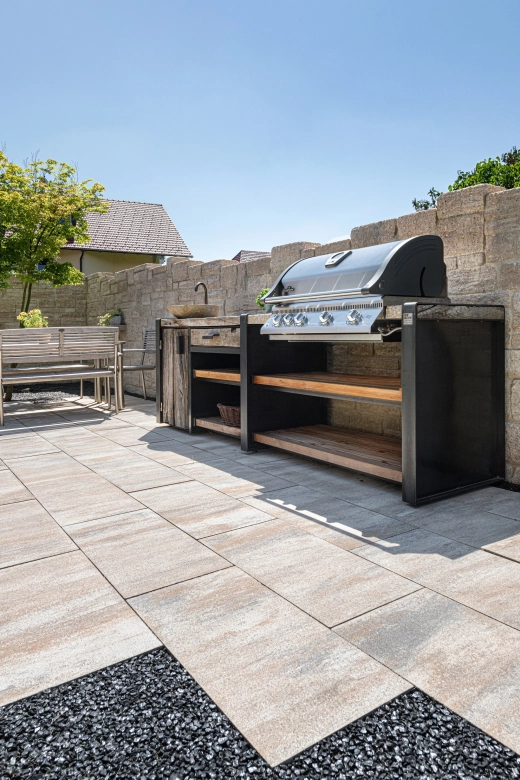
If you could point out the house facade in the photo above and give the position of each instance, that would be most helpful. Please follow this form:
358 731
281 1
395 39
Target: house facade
127 235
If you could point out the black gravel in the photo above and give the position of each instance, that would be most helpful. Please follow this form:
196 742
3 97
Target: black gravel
46 392
148 718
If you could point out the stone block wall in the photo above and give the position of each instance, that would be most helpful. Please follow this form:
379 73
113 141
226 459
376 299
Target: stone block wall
480 227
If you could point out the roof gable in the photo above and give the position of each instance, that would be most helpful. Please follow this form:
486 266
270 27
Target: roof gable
130 226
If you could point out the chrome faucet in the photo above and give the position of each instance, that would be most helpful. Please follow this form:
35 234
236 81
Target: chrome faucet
201 284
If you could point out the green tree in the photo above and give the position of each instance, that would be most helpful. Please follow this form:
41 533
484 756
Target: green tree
427 203
43 206
503 171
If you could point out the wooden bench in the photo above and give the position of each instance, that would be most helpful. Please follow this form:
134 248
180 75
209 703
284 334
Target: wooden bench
66 349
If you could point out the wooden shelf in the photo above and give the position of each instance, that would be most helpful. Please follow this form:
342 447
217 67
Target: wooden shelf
376 455
216 424
379 389
228 375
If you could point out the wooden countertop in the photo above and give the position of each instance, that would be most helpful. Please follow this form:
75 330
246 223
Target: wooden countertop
214 322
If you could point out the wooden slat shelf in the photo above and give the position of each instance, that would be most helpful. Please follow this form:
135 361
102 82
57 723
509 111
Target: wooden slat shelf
370 388
229 375
216 424
371 454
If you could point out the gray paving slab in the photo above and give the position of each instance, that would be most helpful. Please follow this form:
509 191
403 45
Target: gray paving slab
170 453
233 478
198 509
11 489
130 471
337 521
464 523
467 661
28 532
140 551
485 582
60 620
129 435
281 677
69 491
339 483
508 548
22 446
319 578
262 458
77 440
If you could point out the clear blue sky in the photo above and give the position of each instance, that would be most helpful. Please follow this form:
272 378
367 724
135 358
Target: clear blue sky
260 123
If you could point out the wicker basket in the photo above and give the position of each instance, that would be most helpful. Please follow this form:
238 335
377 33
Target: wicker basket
230 415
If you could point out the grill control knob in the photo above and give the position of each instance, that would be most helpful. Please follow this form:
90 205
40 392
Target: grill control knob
277 320
300 319
288 319
326 318
354 317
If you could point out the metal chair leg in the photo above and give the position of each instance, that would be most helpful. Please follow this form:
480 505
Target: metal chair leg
81 388
143 383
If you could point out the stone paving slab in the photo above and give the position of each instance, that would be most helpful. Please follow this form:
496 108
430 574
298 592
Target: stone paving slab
21 446
77 441
140 551
28 532
337 521
336 482
60 620
508 548
130 471
319 578
282 678
465 660
485 582
464 523
70 492
130 435
233 478
11 489
169 453
198 509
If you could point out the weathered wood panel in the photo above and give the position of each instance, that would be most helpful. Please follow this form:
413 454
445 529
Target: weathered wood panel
168 387
180 378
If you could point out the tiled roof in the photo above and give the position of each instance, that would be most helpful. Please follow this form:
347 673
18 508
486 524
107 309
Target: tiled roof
249 254
134 227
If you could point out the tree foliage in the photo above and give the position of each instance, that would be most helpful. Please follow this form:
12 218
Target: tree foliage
503 171
427 203
43 206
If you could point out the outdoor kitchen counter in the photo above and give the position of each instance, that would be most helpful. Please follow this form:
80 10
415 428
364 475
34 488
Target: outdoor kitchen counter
213 322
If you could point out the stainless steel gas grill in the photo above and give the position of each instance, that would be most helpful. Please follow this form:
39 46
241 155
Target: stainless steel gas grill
449 391
353 295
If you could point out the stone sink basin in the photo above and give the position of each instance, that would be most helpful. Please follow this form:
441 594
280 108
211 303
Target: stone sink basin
194 311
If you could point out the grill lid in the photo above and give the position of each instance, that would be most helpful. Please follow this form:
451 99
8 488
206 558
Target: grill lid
412 267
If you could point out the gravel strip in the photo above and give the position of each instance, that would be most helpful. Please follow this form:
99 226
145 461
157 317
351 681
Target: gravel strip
49 391
148 718
46 392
